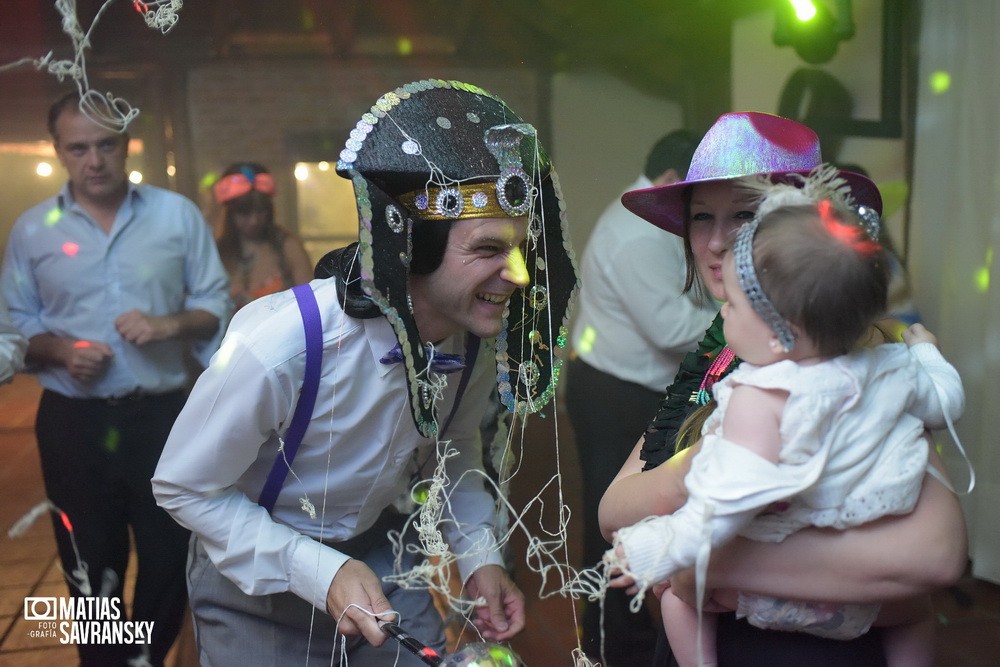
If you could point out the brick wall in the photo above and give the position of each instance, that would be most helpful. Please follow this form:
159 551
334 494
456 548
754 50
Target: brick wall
245 110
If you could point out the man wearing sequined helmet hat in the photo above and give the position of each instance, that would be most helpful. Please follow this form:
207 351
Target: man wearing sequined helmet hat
457 288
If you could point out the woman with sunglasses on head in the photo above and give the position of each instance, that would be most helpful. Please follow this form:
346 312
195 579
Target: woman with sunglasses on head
260 256
890 558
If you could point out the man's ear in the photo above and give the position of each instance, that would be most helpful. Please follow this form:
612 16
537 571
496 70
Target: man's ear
667 177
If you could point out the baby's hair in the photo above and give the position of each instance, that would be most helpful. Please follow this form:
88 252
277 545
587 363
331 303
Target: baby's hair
822 272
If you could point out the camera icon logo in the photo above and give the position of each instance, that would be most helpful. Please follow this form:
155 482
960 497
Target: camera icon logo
40 609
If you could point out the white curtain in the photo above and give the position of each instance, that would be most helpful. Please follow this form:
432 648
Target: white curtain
955 228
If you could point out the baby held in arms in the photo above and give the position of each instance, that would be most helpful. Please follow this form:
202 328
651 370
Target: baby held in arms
811 429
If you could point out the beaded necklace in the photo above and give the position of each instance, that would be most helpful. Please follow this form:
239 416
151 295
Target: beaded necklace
719 366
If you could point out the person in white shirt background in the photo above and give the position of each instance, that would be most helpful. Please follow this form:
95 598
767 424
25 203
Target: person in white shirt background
459 213
12 345
635 322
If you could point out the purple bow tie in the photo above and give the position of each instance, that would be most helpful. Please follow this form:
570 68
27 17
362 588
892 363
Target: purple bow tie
441 363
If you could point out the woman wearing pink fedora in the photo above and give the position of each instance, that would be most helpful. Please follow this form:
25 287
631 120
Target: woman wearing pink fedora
890 558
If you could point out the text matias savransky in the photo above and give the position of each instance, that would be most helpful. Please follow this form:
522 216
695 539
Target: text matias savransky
84 620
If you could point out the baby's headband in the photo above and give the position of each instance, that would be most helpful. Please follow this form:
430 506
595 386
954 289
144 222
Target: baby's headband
821 185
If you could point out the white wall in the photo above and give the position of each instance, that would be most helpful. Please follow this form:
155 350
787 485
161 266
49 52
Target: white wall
760 71
956 227
956 198
603 128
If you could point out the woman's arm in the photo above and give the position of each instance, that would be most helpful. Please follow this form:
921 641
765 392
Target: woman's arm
752 420
891 558
633 495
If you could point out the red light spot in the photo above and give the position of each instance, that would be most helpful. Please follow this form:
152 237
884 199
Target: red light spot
70 248
81 343
849 235
65 521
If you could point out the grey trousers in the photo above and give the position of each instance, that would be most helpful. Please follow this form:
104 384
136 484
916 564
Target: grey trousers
233 628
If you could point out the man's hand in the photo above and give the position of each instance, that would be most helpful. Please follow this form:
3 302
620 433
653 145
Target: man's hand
86 360
502 616
356 584
139 328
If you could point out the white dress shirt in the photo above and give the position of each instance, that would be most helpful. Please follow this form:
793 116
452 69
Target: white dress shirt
64 275
634 322
13 345
357 457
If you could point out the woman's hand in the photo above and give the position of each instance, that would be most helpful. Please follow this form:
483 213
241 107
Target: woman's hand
684 586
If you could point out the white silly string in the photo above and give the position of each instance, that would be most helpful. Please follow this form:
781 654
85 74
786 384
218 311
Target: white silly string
108 111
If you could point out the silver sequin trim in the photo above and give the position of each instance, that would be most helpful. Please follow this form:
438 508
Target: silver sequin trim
394 218
449 203
506 177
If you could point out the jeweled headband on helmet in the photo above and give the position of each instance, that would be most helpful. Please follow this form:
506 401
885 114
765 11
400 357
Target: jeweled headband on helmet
445 150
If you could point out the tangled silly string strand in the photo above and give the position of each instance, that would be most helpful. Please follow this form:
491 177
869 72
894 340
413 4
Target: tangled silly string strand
110 112
545 554
159 14
80 576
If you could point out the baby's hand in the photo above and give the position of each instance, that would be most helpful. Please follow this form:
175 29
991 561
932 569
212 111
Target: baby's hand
615 560
918 333
623 581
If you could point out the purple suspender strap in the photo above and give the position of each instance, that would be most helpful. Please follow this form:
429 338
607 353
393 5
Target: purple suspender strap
310 386
313 325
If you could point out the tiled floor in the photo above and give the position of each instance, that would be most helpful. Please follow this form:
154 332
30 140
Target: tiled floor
969 615
28 562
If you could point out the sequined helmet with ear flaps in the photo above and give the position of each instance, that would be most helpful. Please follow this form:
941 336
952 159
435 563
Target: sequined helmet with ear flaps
444 150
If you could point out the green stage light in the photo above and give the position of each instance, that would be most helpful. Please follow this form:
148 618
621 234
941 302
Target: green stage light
805 10
811 28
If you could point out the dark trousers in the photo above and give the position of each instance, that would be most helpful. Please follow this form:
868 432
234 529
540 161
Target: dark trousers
739 644
97 459
608 416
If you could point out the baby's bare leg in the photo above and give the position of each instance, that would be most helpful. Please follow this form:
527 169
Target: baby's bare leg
908 632
680 621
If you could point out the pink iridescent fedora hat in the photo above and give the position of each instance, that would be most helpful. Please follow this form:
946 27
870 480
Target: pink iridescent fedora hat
741 144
